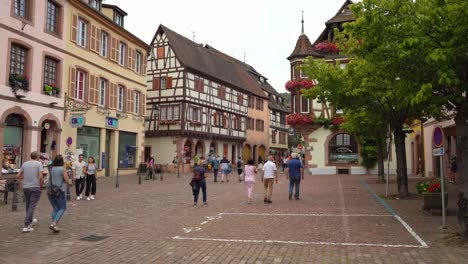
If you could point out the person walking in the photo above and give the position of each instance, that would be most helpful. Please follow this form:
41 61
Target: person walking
268 177
240 164
285 162
249 178
150 168
216 168
224 169
90 171
294 173
453 170
58 178
32 174
198 182
79 177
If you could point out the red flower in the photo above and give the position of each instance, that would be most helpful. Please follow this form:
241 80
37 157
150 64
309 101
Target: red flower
327 47
302 83
338 120
299 119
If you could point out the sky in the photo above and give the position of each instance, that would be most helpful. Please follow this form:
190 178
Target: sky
265 31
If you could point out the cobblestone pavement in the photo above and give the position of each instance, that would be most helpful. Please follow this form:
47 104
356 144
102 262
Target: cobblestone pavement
337 220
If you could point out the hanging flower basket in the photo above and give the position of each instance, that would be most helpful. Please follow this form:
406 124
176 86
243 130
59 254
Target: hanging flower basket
327 47
299 119
338 120
298 84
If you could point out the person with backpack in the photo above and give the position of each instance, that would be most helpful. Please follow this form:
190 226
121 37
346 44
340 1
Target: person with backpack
198 182
90 171
57 191
150 167
225 169
216 168
239 164
249 178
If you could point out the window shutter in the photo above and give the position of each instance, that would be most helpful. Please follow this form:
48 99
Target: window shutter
91 87
116 95
98 40
129 58
74 28
169 82
72 80
132 101
215 118
111 96
143 104
143 64
224 120
156 83
96 90
93 38
108 95
88 35
114 49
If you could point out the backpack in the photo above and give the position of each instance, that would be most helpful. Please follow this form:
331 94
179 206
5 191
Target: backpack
197 176
239 164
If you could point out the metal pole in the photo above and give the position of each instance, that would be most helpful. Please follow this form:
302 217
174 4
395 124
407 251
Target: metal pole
14 205
139 176
388 177
442 187
68 192
117 184
178 169
162 172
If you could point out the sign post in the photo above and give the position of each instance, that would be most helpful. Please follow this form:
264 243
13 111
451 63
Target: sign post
439 151
389 144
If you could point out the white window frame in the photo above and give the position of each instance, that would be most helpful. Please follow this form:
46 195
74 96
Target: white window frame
102 92
343 66
104 44
120 98
163 83
195 114
301 106
136 102
122 53
22 12
294 104
138 57
118 19
95 4
82 31
302 75
83 84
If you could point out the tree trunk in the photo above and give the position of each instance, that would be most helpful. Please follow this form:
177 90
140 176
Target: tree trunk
402 175
380 162
461 120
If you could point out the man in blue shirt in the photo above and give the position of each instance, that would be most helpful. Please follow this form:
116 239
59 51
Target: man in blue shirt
294 173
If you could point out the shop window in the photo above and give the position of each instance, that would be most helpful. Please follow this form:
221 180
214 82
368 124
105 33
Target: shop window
88 143
343 149
13 142
127 150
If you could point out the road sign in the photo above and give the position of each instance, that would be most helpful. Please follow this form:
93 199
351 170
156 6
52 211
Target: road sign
438 137
77 121
438 152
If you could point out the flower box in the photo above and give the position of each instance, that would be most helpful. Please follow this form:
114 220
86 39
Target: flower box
327 47
51 89
195 123
168 122
433 201
298 84
300 119
18 82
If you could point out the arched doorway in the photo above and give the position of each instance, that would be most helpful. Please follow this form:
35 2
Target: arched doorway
246 153
188 151
49 138
13 142
200 149
213 148
262 153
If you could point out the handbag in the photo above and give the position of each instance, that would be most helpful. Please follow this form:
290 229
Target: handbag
53 190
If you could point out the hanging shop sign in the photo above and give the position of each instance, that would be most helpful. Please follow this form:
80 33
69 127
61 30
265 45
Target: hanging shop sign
112 122
77 121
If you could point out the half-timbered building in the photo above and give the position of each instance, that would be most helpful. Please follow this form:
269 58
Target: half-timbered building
197 101
328 149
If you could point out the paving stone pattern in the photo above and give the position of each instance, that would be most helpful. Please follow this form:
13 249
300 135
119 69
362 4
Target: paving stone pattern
337 220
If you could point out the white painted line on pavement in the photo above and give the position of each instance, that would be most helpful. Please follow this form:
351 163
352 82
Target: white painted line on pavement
311 215
411 231
297 242
343 210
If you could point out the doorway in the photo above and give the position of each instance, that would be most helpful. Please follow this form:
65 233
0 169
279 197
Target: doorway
107 158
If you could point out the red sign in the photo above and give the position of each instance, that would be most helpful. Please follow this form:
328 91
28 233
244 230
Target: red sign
299 147
438 137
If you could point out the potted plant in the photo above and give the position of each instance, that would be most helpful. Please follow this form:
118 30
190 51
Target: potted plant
431 192
18 81
56 90
48 89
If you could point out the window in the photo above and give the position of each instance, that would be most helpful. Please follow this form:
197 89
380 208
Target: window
118 19
259 104
52 17
122 53
250 123
195 114
304 104
104 44
18 59
199 85
251 101
302 74
283 118
80 85
282 137
240 98
259 125
136 100
221 92
343 149
293 101
120 98
102 92
163 84
22 8
169 112
160 53
138 62
273 136
50 70
82 32
95 4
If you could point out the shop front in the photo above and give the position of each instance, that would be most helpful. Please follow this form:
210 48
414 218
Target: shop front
88 143
127 149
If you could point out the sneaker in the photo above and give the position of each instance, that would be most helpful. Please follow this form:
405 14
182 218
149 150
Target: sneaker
88 199
54 228
290 196
78 198
194 204
205 204
265 200
269 201
81 196
297 198
34 221
92 197
28 229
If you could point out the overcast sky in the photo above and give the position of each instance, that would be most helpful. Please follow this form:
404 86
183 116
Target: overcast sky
267 30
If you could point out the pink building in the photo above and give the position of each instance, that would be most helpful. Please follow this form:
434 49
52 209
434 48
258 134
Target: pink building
31 78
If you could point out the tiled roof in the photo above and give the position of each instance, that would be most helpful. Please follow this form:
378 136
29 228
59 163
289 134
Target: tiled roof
344 14
209 61
303 48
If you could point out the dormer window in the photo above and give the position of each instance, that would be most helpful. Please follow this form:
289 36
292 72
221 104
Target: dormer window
262 80
118 19
95 4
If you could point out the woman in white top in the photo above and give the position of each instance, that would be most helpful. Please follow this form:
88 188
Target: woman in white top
249 178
